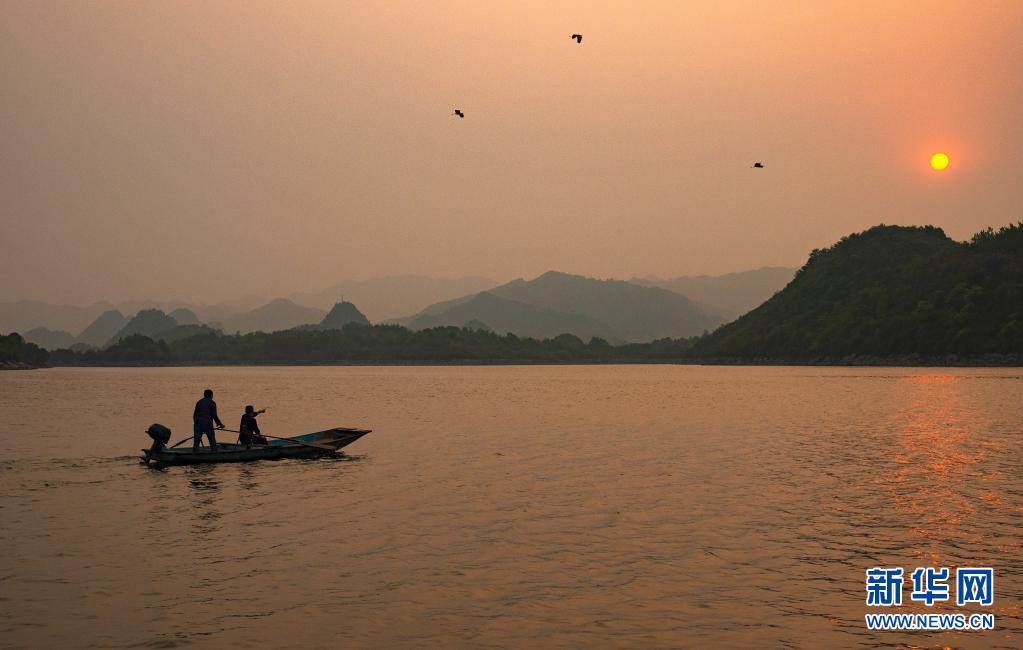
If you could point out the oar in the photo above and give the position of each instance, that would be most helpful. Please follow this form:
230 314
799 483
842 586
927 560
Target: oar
294 440
192 437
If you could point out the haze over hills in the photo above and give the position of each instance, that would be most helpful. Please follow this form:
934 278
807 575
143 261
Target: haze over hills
112 326
49 339
891 290
890 294
279 314
636 313
23 315
379 299
98 333
559 303
487 310
395 296
27 314
556 303
103 328
184 316
732 294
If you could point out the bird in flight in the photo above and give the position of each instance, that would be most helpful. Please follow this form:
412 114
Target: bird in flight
578 38
459 113
758 165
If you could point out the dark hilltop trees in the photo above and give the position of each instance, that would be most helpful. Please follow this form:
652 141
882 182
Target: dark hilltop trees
16 353
357 343
887 292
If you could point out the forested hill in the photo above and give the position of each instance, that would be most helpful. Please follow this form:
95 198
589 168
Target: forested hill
889 291
15 353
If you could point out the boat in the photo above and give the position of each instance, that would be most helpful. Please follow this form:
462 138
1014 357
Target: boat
311 445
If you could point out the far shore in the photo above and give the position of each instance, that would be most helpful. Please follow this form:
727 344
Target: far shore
17 365
909 361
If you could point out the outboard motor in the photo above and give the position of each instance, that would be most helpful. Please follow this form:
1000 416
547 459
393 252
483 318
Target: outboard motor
160 435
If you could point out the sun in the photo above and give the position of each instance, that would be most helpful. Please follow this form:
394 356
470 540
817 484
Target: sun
939 161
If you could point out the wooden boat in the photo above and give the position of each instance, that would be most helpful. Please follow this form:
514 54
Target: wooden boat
321 443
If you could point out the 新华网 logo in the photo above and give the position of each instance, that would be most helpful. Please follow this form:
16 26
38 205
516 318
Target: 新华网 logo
930 585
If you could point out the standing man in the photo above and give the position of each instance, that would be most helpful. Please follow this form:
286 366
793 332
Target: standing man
203 417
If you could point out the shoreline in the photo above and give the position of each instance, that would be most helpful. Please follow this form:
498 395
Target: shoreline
17 365
907 361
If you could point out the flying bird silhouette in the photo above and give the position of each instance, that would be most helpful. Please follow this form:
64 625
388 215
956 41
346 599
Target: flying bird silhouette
758 165
459 113
578 38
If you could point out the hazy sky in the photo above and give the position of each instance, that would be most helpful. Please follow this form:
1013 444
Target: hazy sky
202 150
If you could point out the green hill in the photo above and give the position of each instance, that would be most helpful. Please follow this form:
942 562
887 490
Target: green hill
890 291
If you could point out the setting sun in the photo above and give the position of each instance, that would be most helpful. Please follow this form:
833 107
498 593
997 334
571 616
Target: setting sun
939 161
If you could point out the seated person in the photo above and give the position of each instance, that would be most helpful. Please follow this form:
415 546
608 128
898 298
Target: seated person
248 430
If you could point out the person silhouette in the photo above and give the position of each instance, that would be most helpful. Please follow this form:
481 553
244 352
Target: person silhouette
203 417
248 430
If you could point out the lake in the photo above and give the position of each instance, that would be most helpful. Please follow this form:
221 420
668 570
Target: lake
511 506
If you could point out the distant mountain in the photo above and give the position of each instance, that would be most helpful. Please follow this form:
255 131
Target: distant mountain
228 309
49 339
23 315
890 291
732 294
390 297
636 313
184 316
103 328
193 313
341 314
280 314
148 322
393 297
613 309
502 315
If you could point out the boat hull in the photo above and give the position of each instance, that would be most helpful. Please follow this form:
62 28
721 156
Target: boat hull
328 443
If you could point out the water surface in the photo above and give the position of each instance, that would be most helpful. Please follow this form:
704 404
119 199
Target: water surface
608 506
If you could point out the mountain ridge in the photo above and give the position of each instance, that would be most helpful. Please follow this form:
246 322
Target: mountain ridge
731 294
615 309
502 315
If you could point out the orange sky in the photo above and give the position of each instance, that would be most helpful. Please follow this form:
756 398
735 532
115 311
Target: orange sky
208 150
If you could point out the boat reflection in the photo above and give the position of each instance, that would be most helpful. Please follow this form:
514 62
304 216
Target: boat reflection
205 484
